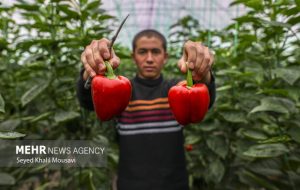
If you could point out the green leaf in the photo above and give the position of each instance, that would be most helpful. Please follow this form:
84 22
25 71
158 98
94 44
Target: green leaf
192 139
37 66
2 104
234 116
223 88
33 58
226 72
28 42
68 11
41 117
294 20
294 132
92 5
292 11
215 172
44 186
275 104
266 150
254 134
275 23
90 182
114 158
297 2
106 17
218 145
254 180
3 46
34 16
247 19
83 1
267 167
6 179
27 7
10 125
209 126
290 75
2 66
280 2
255 4
32 93
65 116
11 135
282 92
277 139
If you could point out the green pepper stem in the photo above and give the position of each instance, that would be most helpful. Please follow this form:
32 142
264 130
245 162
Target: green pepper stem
109 71
189 78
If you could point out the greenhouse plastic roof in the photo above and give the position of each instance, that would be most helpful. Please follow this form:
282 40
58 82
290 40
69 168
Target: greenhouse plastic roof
161 14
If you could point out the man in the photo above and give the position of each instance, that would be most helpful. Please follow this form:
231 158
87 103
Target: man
150 139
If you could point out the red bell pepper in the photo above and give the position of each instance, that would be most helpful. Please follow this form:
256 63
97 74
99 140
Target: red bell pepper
189 147
189 103
111 94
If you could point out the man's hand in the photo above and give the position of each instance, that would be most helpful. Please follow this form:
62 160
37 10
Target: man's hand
198 59
95 54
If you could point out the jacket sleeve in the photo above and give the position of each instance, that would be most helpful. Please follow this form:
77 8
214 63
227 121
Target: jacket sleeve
212 90
84 95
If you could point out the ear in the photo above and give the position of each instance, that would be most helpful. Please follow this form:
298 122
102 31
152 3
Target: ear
133 58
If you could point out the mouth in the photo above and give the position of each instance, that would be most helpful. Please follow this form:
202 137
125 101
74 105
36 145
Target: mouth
149 69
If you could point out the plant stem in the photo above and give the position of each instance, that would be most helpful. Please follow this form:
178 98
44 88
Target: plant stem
189 78
109 71
285 159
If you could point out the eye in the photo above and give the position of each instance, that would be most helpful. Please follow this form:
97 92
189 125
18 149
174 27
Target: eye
156 51
142 51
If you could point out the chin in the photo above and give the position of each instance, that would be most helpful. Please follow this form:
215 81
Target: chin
151 76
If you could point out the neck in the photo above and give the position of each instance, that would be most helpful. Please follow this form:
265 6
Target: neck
149 81
149 78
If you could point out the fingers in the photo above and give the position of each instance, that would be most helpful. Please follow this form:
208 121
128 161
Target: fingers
182 65
203 62
190 54
96 57
91 72
114 61
103 46
198 57
95 54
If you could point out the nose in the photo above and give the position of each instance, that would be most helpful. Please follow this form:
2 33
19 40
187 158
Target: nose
149 57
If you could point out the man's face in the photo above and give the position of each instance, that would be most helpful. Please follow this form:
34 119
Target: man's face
149 56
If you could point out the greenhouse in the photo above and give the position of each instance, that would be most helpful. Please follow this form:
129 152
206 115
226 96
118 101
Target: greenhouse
149 94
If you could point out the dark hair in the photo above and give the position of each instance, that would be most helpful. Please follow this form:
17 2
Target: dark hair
149 33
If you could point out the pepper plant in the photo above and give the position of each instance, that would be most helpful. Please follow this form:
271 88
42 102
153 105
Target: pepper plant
250 138
40 60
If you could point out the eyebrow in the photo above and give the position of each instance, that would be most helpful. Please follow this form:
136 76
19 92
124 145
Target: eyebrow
148 49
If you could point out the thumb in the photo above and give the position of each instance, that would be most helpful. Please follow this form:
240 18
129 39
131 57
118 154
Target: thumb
182 65
115 60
